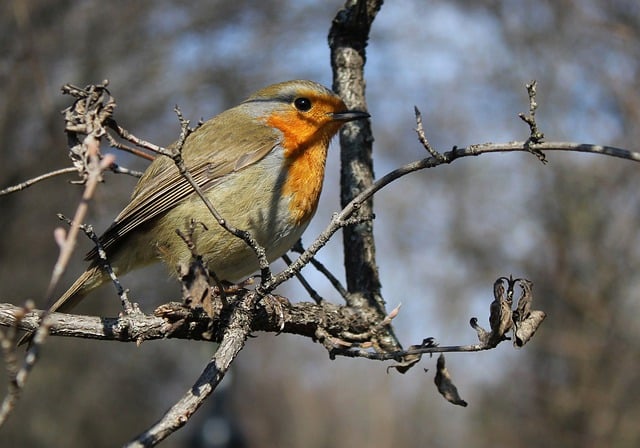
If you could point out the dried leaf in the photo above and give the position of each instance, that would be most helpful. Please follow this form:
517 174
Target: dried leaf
523 307
445 385
525 321
525 329
483 335
500 311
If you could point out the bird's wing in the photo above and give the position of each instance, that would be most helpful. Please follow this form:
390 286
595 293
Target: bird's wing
151 198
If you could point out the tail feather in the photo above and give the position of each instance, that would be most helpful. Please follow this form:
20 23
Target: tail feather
93 277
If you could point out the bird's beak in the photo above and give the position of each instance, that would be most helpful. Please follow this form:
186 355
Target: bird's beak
349 115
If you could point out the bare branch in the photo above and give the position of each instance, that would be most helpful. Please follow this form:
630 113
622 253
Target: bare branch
16 376
123 133
303 281
122 170
235 335
301 318
26 184
348 39
102 256
423 138
68 247
126 148
299 248
338 219
84 118
535 136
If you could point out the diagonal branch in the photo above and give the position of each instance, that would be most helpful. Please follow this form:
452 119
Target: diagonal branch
235 335
340 220
26 184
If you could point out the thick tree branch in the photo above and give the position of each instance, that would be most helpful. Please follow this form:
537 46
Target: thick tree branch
299 318
348 39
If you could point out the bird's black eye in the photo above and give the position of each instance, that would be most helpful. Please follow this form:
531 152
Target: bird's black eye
302 104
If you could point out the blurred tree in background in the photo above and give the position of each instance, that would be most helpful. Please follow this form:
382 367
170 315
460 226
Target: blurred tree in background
444 234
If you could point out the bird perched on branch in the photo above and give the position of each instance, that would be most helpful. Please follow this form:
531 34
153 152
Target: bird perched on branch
261 164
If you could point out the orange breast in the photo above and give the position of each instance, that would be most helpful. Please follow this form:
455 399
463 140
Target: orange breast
305 151
304 182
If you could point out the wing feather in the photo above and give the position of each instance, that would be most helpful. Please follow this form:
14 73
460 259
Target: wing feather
152 198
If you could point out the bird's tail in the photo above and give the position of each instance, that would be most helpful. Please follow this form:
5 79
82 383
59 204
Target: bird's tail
93 277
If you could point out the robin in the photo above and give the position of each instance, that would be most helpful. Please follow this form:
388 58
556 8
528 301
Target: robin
261 164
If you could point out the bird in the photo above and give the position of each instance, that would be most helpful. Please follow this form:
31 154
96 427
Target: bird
260 163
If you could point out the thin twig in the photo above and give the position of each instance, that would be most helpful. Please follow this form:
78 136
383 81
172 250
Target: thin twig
106 265
303 281
16 375
299 248
70 241
385 356
423 138
126 148
123 133
535 136
27 183
122 170
21 186
474 150
67 241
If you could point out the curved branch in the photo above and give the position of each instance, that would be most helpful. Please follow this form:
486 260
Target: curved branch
340 219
